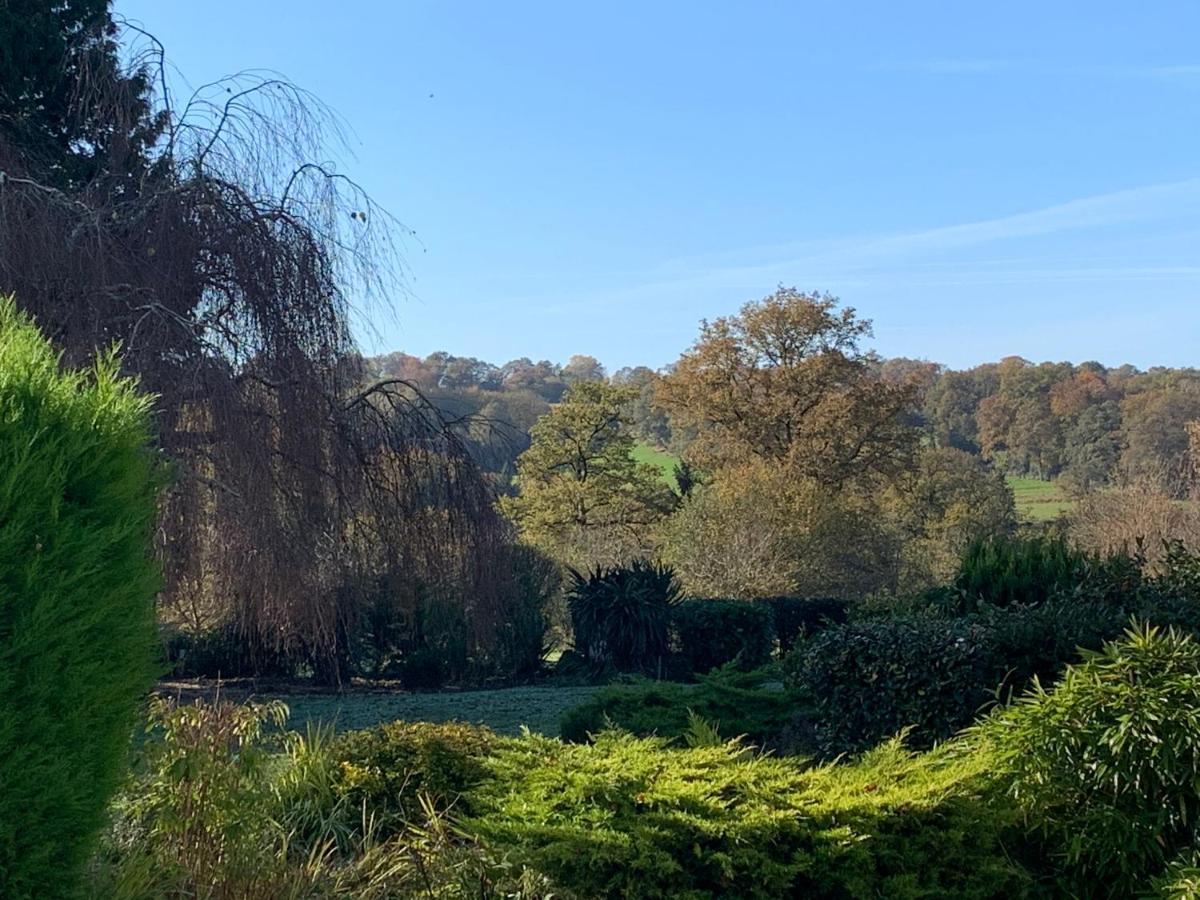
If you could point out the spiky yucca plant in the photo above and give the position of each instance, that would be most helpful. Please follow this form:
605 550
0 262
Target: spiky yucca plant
621 616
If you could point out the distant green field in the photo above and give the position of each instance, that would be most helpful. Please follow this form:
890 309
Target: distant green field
1037 500
666 462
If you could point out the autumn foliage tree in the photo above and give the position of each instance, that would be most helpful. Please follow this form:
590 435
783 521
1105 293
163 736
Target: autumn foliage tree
786 380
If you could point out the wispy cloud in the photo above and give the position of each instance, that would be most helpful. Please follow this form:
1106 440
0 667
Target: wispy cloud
936 254
1187 71
951 66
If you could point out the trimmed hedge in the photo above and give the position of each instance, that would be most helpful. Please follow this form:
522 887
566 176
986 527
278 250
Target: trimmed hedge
713 633
78 491
798 617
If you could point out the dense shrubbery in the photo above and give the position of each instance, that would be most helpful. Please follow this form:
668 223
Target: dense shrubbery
77 586
629 817
621 616
935 671
868 680
1087 790
389 769
1105 764
712 633
221 807
797 617
734 703
1003 571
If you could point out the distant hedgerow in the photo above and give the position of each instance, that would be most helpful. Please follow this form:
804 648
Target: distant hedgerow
78 493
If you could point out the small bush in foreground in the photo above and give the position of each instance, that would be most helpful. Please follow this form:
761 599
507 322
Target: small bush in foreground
77 583
219 807
1106 764
389 768
712 633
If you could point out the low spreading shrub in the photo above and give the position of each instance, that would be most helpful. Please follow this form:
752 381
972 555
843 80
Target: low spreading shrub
389 768
621 616
734 703
712 633
78 488
630 817
794 618
1106 764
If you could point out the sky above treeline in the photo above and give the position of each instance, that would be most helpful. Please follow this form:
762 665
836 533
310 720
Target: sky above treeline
981 180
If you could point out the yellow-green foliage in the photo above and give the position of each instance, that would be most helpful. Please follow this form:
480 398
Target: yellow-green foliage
632 817
389 768
1106 764
77 583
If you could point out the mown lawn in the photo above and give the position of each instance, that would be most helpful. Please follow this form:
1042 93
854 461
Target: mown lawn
666 462
1037 500
504 710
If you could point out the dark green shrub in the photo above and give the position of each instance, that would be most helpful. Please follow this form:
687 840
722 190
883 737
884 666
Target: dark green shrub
711 633
387 768
1001 571
735 703
868 680
622 616
1106 764
532 593
77 582
629 817
223 653
797 617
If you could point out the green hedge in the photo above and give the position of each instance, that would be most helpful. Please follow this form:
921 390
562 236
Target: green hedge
713 633
798 617
868 680
77 583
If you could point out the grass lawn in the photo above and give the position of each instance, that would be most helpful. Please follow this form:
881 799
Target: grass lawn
1037 500
504 710
664 461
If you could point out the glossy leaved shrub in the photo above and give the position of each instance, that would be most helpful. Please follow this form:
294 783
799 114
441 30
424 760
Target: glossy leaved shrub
713 633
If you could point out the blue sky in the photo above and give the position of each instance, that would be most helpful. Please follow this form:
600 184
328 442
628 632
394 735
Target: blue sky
979 179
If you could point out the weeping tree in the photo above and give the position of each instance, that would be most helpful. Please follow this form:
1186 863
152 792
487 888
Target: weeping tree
212 238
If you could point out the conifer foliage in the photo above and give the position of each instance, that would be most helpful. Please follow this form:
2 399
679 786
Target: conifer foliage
78 488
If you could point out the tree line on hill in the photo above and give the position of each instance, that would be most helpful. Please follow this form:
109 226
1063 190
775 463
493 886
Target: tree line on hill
1085 424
